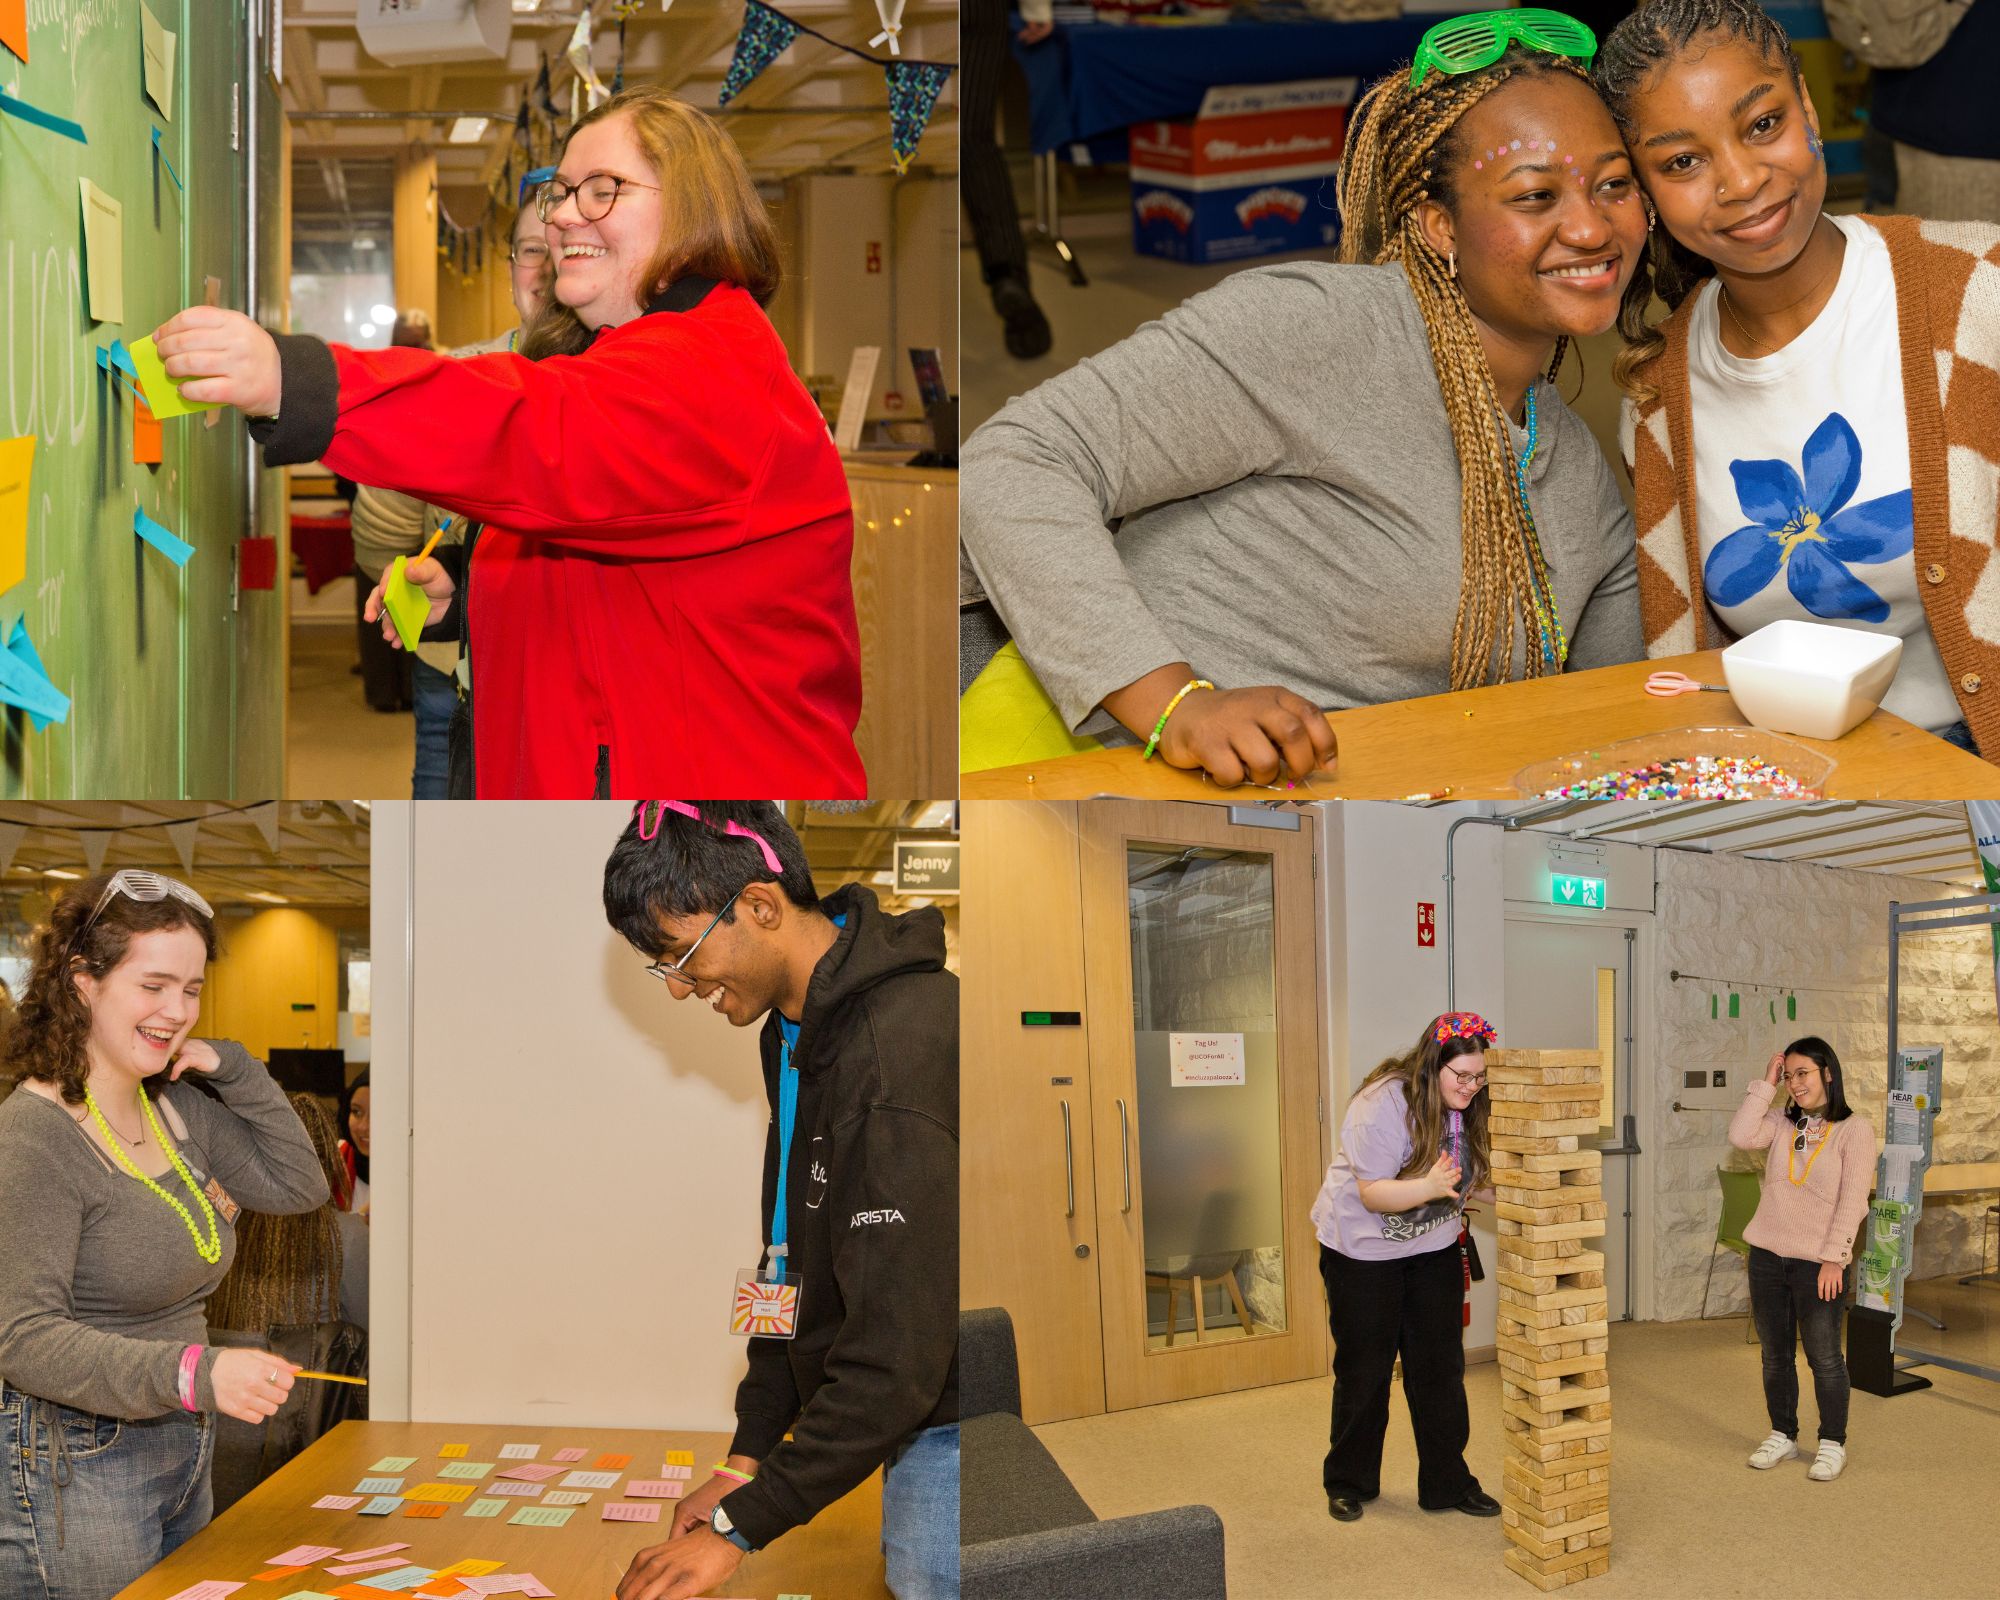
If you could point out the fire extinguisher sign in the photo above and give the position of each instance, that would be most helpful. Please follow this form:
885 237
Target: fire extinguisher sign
1427 926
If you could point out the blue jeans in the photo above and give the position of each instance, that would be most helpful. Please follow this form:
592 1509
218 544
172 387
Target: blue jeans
1961 735
92 1502
433 695
920 1517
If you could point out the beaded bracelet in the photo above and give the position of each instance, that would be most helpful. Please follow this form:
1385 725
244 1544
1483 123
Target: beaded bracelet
1159 727
190 1370
724 1470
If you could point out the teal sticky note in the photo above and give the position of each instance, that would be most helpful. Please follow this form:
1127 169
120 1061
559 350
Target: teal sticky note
41 118
24 681
379 1486
174 548
162 154
382 1505
486 1508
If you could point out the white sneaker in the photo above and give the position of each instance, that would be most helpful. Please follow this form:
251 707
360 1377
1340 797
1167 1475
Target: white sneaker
1827 1464
1773 1450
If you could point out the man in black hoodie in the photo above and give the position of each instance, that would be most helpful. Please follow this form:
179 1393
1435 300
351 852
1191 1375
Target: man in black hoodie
860 1207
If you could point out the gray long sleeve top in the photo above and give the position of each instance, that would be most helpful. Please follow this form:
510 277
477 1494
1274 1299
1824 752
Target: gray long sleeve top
1262 483
100 1286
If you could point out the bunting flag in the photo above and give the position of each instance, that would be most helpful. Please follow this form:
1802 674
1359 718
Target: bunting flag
11 835
618 72
182 834
766 35
913 90
266 818
578 53
96 846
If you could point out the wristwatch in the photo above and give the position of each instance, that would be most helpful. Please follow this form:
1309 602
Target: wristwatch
718 1519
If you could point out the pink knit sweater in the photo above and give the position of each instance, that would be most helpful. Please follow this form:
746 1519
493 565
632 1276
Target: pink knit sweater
1816 1218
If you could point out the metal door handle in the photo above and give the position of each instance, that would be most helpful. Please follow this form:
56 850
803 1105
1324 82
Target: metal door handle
1069 1168
1125 1154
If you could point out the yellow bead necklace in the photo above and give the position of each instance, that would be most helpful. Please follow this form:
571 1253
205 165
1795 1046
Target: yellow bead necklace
210 1250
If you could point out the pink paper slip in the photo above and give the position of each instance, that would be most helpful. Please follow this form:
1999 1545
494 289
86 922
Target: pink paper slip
367 1566
626 1511
305 1553
513 1488
533 1472
212 1589
672 1471
337 1502
568 1455
655 1488
374 1550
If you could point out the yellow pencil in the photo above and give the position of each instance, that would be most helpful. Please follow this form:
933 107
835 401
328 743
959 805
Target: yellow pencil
329 1377
424 553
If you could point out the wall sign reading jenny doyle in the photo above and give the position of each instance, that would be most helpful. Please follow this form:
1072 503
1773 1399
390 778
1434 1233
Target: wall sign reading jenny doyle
1199 1060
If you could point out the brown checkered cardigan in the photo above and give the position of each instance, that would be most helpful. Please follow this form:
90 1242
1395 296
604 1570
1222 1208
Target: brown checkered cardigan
1948 310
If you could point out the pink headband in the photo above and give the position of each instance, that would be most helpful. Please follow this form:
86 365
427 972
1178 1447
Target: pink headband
687 808
1463 1025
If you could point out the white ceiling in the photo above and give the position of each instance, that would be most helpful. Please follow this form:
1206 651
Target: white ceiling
321 858
1917 839
814 109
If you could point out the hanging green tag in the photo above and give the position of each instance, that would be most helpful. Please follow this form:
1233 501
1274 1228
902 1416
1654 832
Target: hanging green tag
1774 1011
1734 1010
1711 1007
1792 1008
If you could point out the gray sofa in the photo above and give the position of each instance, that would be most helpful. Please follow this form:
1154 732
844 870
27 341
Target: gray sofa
1024 1531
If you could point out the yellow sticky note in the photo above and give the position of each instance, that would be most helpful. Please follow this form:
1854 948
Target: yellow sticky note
440 1493
163 394
156 51
103 252
680 1458
17 462
452 1452
467 1569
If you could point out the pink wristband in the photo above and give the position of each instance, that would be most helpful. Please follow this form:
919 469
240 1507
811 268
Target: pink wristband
190 1368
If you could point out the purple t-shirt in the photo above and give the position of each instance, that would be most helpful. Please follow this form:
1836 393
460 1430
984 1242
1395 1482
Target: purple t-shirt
1375 1143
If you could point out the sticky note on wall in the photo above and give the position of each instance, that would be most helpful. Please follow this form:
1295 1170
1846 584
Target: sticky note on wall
17 464
156 52
148 437
163 393
161 538
14 26
103 252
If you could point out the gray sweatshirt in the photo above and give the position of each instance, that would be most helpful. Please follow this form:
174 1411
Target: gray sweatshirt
100 1286
1275 461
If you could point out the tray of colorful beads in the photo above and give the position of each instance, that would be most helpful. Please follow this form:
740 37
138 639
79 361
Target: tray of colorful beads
1684 764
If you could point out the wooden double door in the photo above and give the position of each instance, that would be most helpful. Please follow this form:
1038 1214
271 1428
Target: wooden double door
1141 1070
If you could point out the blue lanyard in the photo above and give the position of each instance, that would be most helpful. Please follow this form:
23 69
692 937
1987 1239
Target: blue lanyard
788 1119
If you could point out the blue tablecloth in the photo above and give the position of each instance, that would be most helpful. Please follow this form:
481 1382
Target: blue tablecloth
1094 78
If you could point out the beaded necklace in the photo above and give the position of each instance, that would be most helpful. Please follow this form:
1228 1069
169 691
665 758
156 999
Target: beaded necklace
1548 621
209 1250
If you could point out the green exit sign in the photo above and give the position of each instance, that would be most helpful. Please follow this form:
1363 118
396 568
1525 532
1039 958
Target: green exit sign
1567 890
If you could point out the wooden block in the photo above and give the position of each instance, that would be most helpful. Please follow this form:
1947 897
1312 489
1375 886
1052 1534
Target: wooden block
1546 1549
1518 1180
1546 1189
1522 1488
1543 1127
1515 1091
1572 1517
1587 1228
1601 1538
1541 1265
1510 1060
1600 1411
1542 1364
1525 1566
1595 1309
1539 1214
1597 1344
1569 1160
1504 1160
1563 1145
1544 1296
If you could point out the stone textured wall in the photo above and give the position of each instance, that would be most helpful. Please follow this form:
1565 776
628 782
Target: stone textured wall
1825 931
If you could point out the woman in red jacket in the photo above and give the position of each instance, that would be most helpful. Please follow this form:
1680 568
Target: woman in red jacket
662 589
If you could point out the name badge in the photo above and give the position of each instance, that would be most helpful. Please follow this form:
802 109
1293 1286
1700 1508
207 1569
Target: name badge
764 1310
219 1198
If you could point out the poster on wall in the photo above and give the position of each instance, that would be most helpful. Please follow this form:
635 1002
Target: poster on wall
1199 1060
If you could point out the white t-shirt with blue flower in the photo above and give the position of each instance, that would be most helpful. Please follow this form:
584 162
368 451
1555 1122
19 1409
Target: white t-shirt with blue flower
1802 477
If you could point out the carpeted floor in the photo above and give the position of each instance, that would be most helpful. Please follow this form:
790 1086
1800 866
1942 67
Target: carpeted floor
1916 1514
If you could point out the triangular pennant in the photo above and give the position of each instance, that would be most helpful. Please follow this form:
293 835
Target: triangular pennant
266 818
766 35
11 835
618 72
579 58
182 834
96 846
913 90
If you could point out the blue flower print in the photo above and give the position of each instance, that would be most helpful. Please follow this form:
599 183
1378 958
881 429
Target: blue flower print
1809 532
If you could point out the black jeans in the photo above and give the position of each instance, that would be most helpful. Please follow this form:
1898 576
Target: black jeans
1379 1310
1784 1298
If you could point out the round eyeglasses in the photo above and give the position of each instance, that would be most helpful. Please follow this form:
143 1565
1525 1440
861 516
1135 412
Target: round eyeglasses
529 253
594 195
674 974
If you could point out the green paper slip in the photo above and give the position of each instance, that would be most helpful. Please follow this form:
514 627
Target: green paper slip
408 606
486 1508
394 1464
542 1516
163 394
465 1469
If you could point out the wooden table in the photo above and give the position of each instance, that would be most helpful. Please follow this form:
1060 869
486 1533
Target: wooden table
1473 742
837 1556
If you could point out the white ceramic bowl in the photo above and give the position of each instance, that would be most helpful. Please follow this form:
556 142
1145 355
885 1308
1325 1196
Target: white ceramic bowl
1810 678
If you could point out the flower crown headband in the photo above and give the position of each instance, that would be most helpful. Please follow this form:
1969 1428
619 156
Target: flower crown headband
1463 1025
687 808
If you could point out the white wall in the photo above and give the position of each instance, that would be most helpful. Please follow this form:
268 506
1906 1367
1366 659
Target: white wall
583 1171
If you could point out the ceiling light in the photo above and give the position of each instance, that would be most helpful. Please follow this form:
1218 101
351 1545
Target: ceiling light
522 7
467 130
886 879
366 330
381 313
364 242
57 872
267 898
935 815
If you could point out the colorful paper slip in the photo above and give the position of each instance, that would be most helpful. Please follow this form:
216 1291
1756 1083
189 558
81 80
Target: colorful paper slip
408 606
424 1508
55 124
379 1486
520 1452
149 439
17 470
348 1568
401 1578
568 1455
452 1452
612 1463
25 682
161 538
14 26
590 1480
679 1458
103 253
374 1550
513 1487
448 1494
160 151
534 1472
542 1516
306 1553
486 1508
163 393
213 1589
273 1574
337 1502
565 1497
468 1569
628 1511
465 1469
382 1505
655 1488
156 53
670 1470
394 1464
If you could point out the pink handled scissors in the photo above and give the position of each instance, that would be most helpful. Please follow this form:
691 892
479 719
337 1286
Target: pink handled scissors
1665 684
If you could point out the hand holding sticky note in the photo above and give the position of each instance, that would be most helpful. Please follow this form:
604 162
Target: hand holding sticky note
408 606
163 394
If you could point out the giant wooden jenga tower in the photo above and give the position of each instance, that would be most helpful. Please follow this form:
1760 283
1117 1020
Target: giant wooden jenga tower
1555 1394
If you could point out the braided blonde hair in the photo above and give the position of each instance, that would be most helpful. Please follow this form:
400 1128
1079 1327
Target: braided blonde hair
1400 152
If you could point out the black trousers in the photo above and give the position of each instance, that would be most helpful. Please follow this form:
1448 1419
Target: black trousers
1380 1310
983 183
1784 1299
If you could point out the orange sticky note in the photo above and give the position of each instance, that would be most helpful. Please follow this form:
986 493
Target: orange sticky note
468 1569
148 437
440 1589
362 1591
272 1574
611 1463
421 1508
14 26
